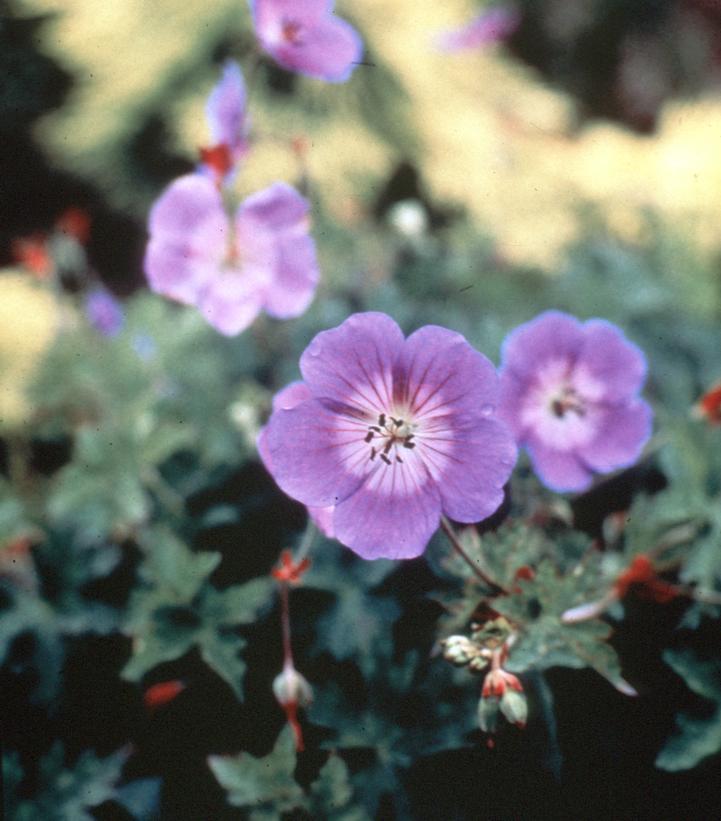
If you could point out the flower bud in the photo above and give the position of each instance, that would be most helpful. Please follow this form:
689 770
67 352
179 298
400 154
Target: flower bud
459 650
488 712
290 687
514 707
480 662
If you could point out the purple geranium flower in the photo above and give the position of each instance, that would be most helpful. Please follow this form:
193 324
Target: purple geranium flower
288 398
569 392
307 37
104 312
228 121
491 26
231 269
394 433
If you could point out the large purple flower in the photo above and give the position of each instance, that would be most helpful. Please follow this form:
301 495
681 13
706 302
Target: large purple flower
305 36
231 269
288 398
569 393
394 433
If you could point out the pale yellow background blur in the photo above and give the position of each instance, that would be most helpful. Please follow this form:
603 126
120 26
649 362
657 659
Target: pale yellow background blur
491 136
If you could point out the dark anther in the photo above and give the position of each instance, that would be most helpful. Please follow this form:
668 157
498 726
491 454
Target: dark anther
375 428
398 459
369 436
385 459
382 420
388 446
373 453
409 445
558 408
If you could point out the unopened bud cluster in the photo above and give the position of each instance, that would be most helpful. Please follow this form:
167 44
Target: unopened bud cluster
477 651
502 693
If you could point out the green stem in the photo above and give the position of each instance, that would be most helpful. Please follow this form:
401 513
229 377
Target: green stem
474 566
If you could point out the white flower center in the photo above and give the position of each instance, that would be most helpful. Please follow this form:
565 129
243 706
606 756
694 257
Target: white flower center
567 400
390 435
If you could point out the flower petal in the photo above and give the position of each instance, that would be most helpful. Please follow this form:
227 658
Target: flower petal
286 398
512 398
329 50
296 277
291 395
612 360
490 26
268 14
439 374
393 515
478 464
323 519
280 214
561 471
279 208
233 299
622 431
353 363
188 237
550 336
316 456
226 107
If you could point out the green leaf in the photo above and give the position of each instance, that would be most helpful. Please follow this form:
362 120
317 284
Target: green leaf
356 625
368 718
332 794
265 785
176 608
14 521
543 639
697 738
68 794
50 617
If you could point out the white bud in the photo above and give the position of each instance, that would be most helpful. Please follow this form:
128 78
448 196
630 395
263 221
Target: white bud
290 687
514 707
459 650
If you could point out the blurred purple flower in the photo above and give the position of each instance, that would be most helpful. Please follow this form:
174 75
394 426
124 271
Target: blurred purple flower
104 312
394 433
569 393
228 122
231 269
491 26
307 37
288 398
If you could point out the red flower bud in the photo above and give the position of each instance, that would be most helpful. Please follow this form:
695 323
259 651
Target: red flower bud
708 406
290 571
162 693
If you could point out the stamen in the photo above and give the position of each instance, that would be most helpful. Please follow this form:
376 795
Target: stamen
374 453
409 445
398 459
382 420
369 436
385 459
